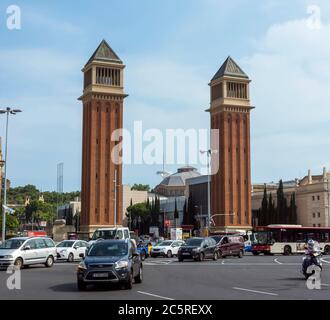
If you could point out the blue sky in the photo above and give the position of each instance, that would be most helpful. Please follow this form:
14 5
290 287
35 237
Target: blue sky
171 50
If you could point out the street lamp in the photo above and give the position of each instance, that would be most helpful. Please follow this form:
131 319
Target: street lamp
209 154
7 111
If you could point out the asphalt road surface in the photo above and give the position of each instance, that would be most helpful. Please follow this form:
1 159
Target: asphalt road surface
261 277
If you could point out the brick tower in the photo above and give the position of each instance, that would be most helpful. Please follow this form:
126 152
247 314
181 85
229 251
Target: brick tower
230 114
103 96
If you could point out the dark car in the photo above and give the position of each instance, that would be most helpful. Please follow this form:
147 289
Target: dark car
198 249
229 245
110 261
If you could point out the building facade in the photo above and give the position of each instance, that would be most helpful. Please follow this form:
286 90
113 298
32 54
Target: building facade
230 114
102 99
312 194
174 185
131 196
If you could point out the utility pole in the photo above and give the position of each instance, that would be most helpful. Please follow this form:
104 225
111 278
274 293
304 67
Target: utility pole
6 111
209 155
115 198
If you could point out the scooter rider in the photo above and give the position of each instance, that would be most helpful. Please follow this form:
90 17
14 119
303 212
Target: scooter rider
312 247
313 253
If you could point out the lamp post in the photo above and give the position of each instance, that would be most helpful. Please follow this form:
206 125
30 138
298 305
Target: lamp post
209 154
6 111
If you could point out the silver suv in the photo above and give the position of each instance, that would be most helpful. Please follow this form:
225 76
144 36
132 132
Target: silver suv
25 251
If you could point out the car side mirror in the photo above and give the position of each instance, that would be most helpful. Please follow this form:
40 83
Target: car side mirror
27 248
205 246
75 247
81 255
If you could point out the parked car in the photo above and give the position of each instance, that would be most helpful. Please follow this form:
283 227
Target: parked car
120 233
110 261
229 245
168 248
24 251
198 249
70 250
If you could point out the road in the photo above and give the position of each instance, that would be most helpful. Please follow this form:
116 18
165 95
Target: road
261 277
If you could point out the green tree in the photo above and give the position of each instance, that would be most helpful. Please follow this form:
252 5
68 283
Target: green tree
293 210
12 223
176 213
264 214
185 220
271 210
141 187
39 211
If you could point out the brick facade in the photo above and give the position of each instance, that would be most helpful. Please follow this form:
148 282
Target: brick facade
231 185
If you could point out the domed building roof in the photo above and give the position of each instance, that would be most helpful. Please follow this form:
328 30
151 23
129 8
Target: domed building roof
179 178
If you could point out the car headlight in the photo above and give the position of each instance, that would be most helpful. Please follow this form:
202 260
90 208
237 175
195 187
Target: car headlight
195 250
63 251
121 264
8 257
82 266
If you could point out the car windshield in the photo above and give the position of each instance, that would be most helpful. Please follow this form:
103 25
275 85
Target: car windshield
104 234
12 244
194 242
65 244
262 237
216 238
115 249
165 243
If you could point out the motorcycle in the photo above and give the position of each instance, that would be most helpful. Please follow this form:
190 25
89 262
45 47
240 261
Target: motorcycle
311 262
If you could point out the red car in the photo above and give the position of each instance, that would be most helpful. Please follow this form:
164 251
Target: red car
229 245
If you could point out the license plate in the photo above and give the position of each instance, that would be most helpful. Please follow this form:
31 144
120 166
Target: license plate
100 275
186 253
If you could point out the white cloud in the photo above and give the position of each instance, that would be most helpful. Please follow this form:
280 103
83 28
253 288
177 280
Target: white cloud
291 78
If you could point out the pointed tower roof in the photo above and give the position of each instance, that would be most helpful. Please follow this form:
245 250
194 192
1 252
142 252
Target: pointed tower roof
104 53
230 68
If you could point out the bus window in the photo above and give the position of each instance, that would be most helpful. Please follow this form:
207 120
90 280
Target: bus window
300 237
310 235
326 236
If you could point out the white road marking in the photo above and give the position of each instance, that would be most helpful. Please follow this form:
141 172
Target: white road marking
154 295
325 285
255 291
275 260
223 262
325 261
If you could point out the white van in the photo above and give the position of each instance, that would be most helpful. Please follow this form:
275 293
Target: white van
120 233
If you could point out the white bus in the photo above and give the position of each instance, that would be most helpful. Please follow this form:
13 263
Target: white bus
288 239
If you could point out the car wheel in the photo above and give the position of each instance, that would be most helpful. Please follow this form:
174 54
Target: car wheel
180 259
70 257
201 256
240 254
215 256
18 263
169 254
129 283
287 250
220 256
81 285
255 253
49 262
143 255
139 277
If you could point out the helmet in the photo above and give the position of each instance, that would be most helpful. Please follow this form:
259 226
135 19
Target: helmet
310 244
